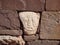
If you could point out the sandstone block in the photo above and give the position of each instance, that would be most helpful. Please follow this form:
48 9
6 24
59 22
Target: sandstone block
30 37
9 20
53 5
9 23
43 42
12 4
50 25
32 5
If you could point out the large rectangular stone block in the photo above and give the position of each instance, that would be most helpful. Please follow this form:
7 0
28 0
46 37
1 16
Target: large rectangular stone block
35 5
50 25
53 5
9 21
32 5
43 42
12 4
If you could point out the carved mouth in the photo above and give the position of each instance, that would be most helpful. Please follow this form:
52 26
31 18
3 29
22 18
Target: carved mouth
29 29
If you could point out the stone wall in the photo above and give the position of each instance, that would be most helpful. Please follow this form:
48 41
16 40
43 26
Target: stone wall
48 32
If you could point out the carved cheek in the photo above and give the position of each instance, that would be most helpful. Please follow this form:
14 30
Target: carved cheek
35 21
29 24
25 23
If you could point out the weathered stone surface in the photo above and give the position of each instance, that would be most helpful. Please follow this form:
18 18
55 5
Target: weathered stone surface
30 37
12 4
13 43
9 20
34 5
0 5
30 22
11 32
43 42
50 25
11 39
53 5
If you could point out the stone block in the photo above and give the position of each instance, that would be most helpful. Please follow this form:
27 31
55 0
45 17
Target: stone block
30 37
9 20
35 5
12 4
43 42
0 5
50 25
32 5
53 5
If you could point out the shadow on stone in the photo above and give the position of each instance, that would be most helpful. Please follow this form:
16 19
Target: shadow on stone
59 43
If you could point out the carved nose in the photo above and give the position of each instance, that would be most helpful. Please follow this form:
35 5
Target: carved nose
30 23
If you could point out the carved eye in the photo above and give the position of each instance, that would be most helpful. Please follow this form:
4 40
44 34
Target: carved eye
25 19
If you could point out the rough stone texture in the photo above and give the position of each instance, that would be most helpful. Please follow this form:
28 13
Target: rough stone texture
31 37
43 42
9 20
11 32
30 22
52 5
7 40
50 25
12 4
0 5
13 43
34 5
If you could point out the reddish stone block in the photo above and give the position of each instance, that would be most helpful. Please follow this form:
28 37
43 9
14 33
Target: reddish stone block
43 42
53 5
50 25
9 21
30 37
32 5
35 5
12 4
0 5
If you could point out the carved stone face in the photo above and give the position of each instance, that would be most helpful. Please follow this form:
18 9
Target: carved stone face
30 21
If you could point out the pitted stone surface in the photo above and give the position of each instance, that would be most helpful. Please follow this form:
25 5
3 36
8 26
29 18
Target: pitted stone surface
43 42
30 21
9 20
50 25
53 5
31 37
32 5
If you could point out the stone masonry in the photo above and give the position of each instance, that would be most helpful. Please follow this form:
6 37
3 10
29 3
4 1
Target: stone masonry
44 17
